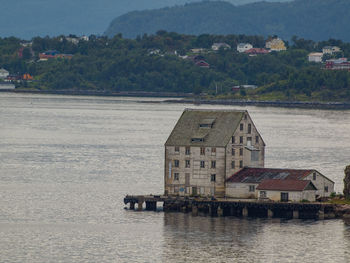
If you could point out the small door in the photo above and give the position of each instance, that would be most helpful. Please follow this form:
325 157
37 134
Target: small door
187 179
284 197
194 190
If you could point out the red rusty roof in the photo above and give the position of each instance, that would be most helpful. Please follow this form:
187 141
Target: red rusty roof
286 185
257 175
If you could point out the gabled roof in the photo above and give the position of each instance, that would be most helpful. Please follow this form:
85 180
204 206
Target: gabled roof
216 133
257 175
286 185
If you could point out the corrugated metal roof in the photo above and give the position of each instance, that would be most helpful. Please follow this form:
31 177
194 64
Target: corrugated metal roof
219 135
286 185
257 175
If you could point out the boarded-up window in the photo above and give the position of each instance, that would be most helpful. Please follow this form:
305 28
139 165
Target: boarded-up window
254 156
202 150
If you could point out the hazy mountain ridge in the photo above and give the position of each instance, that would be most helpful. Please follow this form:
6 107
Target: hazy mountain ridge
29 18
312 19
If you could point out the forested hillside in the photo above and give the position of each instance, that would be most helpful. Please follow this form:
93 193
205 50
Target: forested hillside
311 19
29 18
150 64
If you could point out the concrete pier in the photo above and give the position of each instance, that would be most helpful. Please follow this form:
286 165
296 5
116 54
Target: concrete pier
233 207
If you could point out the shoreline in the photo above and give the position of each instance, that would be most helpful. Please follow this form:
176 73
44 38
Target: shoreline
189 99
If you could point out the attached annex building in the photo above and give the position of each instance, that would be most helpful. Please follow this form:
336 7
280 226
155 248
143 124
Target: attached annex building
279 184
206 147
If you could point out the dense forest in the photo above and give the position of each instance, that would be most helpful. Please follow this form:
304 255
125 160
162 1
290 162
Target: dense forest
150 63
311 19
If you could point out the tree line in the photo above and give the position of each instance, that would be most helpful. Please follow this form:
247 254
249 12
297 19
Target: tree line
117 64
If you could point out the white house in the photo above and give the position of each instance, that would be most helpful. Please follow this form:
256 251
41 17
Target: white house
217 46
330 50
242 47
3 73
315 57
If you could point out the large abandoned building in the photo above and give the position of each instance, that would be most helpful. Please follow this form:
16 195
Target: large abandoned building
208 146
221 153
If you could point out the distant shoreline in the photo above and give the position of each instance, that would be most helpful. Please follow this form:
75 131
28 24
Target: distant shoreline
188 98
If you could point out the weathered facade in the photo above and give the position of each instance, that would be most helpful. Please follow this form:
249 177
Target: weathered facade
208 146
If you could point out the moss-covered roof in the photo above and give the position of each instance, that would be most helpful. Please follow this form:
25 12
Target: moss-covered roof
194 128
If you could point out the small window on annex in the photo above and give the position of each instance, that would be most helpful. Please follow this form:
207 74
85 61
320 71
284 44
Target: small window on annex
251 188
233 165
314 176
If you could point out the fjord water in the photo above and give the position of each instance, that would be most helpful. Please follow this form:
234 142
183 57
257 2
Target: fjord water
66 163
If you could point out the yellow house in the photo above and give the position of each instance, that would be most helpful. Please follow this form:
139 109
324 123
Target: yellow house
275 44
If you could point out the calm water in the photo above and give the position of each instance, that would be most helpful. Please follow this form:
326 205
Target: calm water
67 162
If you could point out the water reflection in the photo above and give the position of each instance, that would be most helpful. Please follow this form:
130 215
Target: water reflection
229 239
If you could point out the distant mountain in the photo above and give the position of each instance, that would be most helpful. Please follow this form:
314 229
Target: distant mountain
29 18
310 19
